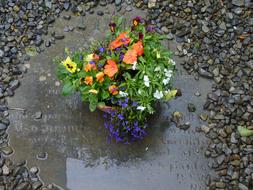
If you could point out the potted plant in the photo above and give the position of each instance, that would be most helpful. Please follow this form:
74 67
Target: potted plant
124 76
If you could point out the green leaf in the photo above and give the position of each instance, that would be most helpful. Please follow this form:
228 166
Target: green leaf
147 37
142 59
31 51
67 89
162 37
244 132
93 102
85 89
101 104
92 107
81 74
62 72
105 95
120 20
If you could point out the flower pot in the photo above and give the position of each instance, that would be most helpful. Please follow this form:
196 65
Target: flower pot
106 109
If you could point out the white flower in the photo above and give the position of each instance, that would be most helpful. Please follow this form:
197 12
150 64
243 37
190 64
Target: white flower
157 68
134 65
146 80
141 108
166 81
171 61
158 94
168 73
123 94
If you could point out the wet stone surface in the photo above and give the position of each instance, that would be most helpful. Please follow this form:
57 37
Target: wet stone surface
69 144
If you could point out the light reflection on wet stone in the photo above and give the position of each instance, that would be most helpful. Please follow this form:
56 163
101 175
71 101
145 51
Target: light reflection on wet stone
79 156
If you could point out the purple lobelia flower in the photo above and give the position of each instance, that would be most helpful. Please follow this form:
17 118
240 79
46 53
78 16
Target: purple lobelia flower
120 116
92 62
134 104
121 56
101 50
124 105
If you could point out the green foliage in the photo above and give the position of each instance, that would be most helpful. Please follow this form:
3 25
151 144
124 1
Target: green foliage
148 83
67 88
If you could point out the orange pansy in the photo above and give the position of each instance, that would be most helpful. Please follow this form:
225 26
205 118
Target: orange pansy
100 76
95 57
122 39
130 57
114 45
88 80
89 66
111 68
138 47
113 89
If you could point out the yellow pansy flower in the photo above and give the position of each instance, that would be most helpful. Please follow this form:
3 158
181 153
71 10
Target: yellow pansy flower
89 58
70 65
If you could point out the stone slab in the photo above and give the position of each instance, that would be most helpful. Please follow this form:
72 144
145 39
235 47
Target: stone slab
78 155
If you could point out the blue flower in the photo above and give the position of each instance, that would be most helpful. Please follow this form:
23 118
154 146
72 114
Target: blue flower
101 50
136 124
135 104
124 105
119 102
92 62
120 116
121 56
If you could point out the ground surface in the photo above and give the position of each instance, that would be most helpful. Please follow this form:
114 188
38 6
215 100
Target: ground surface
213 39
69 143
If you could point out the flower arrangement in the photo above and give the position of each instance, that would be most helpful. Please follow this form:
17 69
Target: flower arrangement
124 76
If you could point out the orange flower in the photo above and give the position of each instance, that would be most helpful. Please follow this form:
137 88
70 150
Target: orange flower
89 66
88 80
135 22
130 57
138 47
95 57
111 68
113 89
122 39
114 44
100 77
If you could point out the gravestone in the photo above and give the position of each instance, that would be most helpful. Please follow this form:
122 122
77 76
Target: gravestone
69 143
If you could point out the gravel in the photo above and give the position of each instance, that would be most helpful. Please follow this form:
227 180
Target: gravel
217 38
